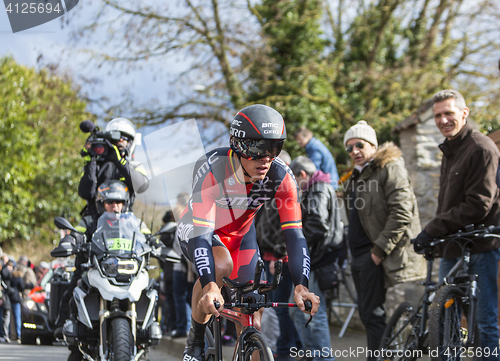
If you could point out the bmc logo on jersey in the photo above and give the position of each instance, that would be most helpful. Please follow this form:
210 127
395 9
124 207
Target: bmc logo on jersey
242 202
237 133
270 125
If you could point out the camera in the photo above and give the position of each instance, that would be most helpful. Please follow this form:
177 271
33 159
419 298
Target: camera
98 145
99 140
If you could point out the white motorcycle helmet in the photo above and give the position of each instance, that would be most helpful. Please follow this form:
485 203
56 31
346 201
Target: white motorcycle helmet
125 127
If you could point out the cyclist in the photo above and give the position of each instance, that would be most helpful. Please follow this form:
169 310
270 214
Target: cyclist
216 231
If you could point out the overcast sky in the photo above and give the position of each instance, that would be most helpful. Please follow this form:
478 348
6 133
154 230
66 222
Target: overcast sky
171 158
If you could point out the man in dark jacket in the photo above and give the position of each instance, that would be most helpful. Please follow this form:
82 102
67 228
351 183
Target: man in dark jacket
323 232
468 194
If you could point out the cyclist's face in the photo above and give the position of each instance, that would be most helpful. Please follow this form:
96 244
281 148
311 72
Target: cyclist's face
257 168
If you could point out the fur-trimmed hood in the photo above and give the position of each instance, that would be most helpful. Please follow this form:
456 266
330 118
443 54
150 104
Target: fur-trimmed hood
386 153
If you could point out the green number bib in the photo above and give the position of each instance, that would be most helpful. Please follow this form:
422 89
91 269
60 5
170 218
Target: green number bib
119 244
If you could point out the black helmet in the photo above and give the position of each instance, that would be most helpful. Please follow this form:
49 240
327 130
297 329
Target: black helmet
112 190
257 131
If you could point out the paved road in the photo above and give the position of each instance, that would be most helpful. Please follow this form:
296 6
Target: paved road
16 352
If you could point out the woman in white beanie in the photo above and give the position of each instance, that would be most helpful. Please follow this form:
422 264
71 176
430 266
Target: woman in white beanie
383 218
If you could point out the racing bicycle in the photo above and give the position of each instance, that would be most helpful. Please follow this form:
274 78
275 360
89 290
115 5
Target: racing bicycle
444 323
251 345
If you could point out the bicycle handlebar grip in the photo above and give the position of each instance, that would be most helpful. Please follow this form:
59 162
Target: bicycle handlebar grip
216 305
308 305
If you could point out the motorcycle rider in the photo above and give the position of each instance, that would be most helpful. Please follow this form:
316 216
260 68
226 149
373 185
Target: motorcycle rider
118 164
112 196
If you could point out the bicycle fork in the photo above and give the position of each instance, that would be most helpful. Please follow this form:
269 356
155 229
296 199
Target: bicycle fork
471 334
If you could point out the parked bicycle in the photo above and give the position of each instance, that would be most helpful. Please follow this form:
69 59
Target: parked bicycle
251 345
444 323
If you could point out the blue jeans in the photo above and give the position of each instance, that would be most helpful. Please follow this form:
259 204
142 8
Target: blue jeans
182 296
288 337
485 265
316 337
16 311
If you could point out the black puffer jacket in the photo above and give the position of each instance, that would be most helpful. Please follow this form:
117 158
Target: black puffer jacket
321 219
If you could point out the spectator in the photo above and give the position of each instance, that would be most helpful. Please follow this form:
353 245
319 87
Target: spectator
41 270
272 247
318 153
323 231
17 284
383 218
468 195
168 312
5 307
182 201
27 274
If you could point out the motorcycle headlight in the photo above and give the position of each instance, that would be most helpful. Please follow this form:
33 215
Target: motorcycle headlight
113 266
30 304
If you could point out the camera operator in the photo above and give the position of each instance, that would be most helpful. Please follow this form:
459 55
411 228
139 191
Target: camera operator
115 161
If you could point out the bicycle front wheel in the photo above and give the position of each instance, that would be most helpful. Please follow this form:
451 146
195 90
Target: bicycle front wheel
448 320
256 348
400 339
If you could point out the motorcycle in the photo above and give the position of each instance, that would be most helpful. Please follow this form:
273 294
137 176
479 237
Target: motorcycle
115 298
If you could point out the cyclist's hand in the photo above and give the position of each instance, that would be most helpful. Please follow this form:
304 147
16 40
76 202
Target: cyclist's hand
422 244
211 293
301 294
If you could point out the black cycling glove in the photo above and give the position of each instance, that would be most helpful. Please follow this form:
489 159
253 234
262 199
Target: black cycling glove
422 244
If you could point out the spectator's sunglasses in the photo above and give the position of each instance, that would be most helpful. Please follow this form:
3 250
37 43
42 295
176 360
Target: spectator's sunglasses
359 145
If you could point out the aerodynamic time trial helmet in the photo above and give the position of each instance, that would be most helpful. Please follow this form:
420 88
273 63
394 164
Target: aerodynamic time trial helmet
257 131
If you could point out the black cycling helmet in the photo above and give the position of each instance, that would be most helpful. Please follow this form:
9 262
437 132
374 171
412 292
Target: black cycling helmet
257 131
112 190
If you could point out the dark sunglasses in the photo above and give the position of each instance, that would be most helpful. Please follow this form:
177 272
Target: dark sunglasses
358 145
111 201
253 149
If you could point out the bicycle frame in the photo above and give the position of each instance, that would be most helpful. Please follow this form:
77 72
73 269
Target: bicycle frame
422 311
457 273
244 316
241 318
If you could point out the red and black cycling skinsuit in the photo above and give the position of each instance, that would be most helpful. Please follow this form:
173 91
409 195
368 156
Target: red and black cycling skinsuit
221 212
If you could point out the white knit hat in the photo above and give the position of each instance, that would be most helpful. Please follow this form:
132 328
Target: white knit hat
361 130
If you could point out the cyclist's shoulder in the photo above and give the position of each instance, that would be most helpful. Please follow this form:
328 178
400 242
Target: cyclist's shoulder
211 161
279 171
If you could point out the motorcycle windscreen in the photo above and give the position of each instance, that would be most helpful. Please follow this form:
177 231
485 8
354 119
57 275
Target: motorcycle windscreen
120 234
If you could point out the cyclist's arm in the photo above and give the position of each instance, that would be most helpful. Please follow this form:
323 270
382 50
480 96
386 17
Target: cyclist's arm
288 205
200 246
